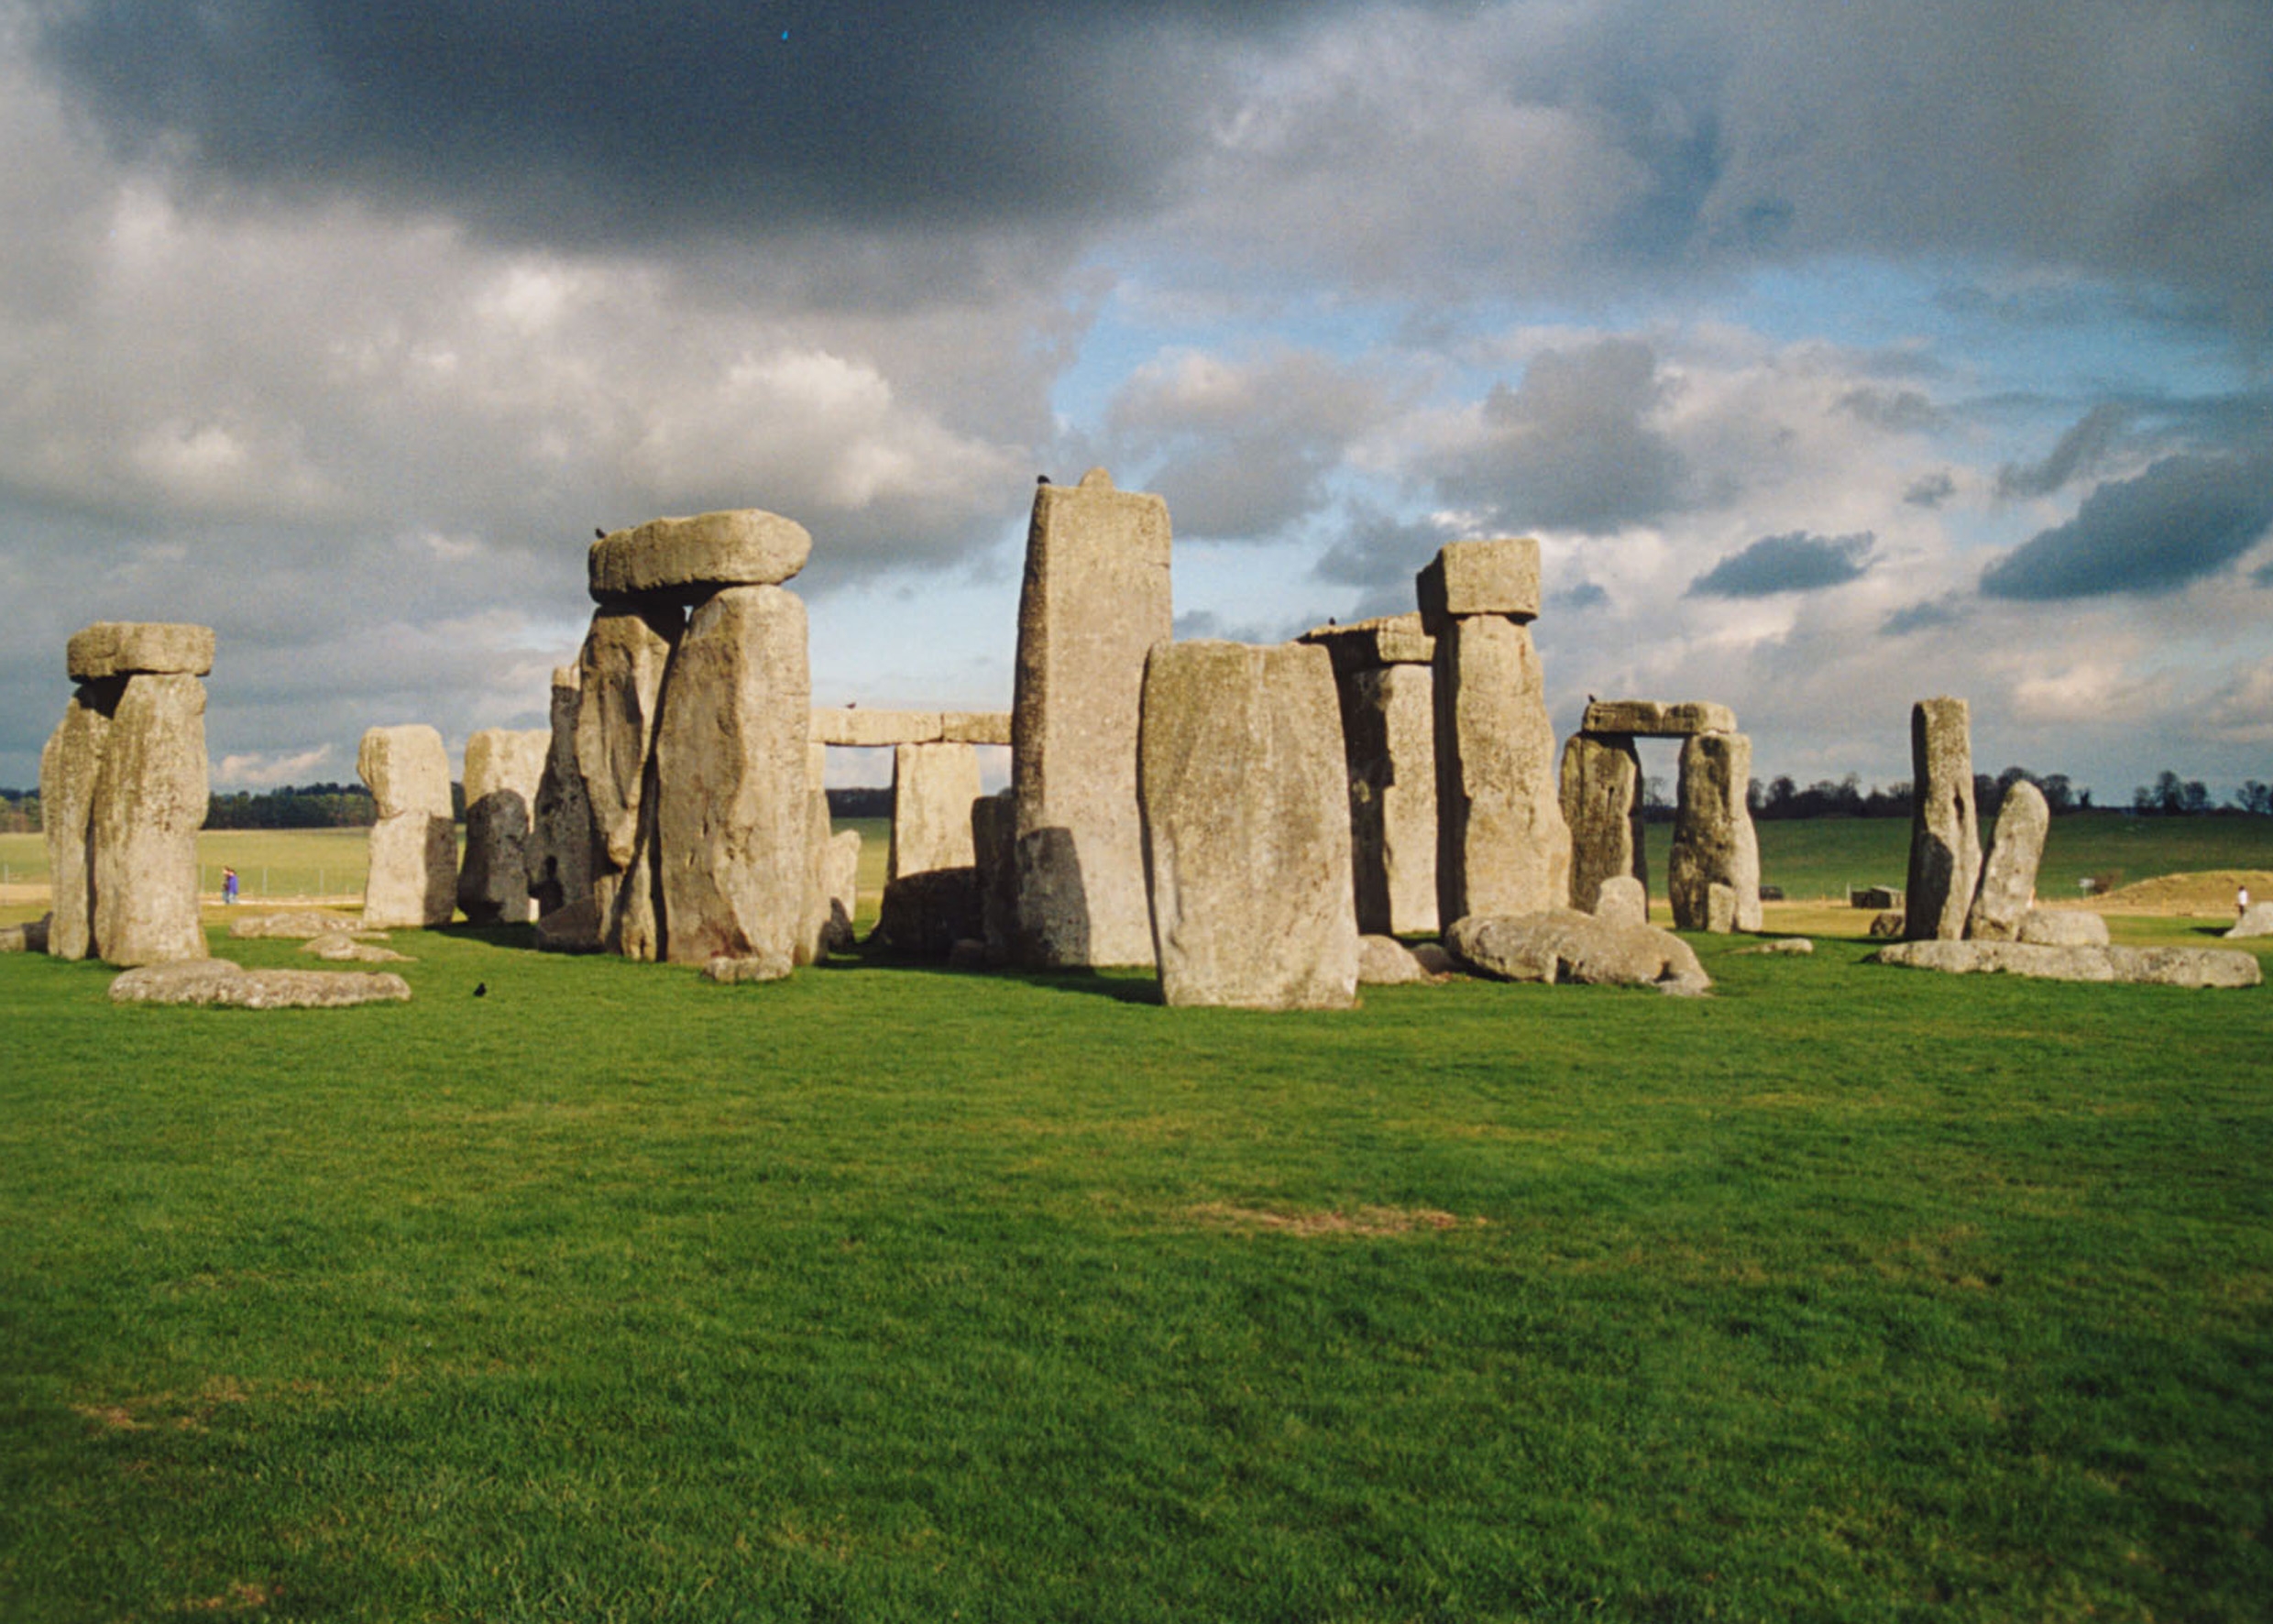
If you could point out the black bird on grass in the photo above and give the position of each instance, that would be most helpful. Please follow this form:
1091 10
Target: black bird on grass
481 989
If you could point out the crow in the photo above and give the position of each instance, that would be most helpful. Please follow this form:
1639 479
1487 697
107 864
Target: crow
1041 479
481 989
598 534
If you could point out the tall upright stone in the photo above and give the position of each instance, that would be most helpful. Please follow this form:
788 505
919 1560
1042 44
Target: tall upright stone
1712 875
1094 601
1383 677
150 803
1945 831
504 770
1503 844
2008 878
931 876
620 674
412 877
69 766
1602 791
993 843
560 835
731 811
1245 790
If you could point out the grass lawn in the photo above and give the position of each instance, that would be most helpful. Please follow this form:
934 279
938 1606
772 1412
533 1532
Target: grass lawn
1845 1293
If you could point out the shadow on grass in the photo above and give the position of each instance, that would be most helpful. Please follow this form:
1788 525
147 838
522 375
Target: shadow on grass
1123 987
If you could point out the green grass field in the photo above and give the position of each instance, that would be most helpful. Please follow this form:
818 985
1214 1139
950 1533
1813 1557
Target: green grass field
1846 1293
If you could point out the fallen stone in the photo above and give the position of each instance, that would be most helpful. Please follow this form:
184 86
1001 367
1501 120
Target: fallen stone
217 981
1600 787
150 803
1384 962
1945 839
2062 927
731 805
300 924
2161 966
1093 602
504 769
1622 900
30 937
1649 719
1433 957
1781 945
620 677
1496 577
689 557
338 946
1502 845
1562 945
730 969
1712 874
1245 806
131 648
69 766
2257 920
2008 878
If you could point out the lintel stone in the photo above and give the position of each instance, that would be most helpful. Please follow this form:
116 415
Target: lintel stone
1365 645
1649 719
736 547
1497 577
127 648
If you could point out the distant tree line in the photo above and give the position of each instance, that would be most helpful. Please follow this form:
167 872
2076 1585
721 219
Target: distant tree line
861 801
1780 797
2171 796
301 805
19 811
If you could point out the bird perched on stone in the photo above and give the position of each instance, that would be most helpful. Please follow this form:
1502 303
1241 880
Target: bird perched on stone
1041 479
598 534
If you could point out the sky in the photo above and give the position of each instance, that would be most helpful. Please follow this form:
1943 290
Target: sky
1838 355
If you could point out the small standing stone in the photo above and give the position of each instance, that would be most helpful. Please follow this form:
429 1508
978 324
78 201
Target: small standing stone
1601 792
69 766
2008 880
1712 876
503 772
1945 837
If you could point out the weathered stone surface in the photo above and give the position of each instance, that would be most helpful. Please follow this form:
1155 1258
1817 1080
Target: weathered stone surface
1433 957
1649 719
1389 740
1384 962
560 819
1503 846
131 648
1094 601
923 915
219 982
300 925
338 945
2062 927
1366 645
504 769
1782 945
2257 920
574 928
817 926
1887 924
738 547
30 937
1622 900
731 809
994 848
1945 837
874 729
406 768
974 727
2162 967
1562 945
412 881
1601 795
752 967
2008 879
933 786
69 766
1714 843
620 676
150 803
1497 577
844 879
1246 807
1878 897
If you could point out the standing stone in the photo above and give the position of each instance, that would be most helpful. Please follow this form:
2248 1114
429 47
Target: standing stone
1094 601
931 877
994 834
560 835
1601 786
69 766
620 673
2008 880
816 934
1623 900
1945 837
1244 787
844 886
1381 673
1502 845
732 810
504 771
412 881
150 803
1712 875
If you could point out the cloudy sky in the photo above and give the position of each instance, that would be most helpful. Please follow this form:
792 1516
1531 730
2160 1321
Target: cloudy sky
1838 355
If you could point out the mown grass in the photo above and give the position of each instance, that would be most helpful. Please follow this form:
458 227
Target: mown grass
1847 1293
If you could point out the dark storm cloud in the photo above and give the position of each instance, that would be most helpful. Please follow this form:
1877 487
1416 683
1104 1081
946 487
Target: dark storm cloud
1796 562
2077 453
546 117
1572 447
1934 612
2184 518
